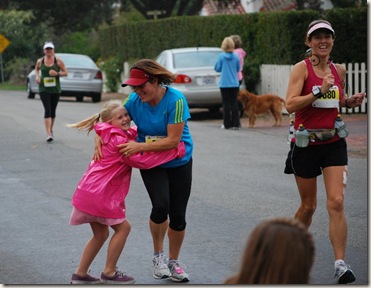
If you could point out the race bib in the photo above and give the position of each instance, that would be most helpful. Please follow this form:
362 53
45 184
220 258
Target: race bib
150 139
50 82
328 100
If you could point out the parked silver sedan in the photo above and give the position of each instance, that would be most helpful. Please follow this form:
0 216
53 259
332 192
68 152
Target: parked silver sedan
84 78
196 77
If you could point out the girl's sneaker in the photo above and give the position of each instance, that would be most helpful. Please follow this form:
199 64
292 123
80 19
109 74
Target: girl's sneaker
177 272
119 278
87 279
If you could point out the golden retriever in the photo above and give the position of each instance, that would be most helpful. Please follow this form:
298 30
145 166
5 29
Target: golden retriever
259 104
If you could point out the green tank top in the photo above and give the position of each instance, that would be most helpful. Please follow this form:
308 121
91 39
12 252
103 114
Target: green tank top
49 83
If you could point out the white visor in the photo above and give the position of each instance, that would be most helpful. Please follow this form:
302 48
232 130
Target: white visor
49 45
320 26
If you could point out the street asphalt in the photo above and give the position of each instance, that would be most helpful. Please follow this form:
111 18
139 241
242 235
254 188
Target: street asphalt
238 181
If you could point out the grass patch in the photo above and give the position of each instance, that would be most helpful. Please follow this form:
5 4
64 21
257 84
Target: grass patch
12 87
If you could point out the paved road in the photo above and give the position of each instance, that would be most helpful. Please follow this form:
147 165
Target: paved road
238 181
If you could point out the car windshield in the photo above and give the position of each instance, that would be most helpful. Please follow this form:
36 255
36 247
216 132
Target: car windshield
195 59
77 61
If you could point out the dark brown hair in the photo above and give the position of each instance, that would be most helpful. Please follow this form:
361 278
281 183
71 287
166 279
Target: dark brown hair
311 24
237 41
279 251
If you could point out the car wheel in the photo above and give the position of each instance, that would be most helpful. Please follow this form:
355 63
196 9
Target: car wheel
30 94
97 97
79 98
214 109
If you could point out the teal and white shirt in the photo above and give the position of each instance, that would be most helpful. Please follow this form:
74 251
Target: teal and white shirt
152 121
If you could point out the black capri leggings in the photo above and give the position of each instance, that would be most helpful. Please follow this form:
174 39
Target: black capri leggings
50 102
169 190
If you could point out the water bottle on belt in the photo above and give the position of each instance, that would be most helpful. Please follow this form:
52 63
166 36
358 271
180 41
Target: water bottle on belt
291 132
340 127
301 137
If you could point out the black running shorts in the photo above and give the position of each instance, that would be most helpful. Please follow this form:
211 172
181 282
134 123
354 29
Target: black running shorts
308 162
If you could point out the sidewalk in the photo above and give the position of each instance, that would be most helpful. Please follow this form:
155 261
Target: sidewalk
356 123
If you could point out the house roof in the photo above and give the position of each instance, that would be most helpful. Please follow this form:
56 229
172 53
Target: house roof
212 7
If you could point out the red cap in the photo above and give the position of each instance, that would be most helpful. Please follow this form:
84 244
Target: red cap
137 77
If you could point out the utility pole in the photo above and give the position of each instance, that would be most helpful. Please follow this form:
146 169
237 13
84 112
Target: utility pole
155 13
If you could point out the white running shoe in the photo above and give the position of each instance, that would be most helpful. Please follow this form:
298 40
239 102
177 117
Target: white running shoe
160 269
177 272
343 274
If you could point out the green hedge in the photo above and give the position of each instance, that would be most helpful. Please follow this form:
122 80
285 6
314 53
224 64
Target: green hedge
275 37
268 38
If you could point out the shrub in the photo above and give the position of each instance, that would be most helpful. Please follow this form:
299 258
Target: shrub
112 68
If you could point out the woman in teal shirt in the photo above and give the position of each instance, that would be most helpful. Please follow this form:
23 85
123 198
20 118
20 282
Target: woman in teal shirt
160 113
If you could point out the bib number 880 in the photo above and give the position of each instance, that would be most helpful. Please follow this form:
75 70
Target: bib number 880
331 94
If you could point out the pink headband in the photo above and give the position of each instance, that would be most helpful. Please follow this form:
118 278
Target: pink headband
320 26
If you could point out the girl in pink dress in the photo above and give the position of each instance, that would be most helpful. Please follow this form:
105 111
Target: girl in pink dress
241 55
100 195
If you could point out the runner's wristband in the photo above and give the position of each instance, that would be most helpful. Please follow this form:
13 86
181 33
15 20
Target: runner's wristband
346 103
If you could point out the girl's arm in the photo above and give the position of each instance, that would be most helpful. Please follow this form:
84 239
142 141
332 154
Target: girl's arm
97 149
174 134
149 160
174 131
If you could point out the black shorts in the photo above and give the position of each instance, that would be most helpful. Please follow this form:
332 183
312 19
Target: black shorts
308 162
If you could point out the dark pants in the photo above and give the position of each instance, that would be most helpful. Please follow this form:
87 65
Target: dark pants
231 115
50 102
169 190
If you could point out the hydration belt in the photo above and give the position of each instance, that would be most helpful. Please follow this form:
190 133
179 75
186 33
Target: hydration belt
321 134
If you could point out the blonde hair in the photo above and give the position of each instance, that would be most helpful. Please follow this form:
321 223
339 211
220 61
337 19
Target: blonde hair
271 244
228 44
105 115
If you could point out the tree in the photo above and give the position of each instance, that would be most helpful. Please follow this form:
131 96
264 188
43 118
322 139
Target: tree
66 15
349 3
166 8
24 42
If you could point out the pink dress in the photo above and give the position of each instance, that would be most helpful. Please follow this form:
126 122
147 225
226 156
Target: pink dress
100 194
241 55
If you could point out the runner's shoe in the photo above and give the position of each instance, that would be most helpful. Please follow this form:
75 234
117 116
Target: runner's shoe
160 269
87 279
177 272
119 278
343 274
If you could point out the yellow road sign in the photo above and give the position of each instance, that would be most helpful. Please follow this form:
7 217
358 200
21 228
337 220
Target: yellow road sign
4 42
